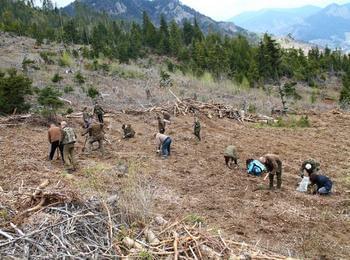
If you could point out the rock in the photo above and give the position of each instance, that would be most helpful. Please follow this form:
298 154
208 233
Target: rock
160 220
121 170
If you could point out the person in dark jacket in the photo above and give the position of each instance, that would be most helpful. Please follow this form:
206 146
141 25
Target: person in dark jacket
323 183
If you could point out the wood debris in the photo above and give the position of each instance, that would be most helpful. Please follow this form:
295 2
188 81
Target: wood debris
64 227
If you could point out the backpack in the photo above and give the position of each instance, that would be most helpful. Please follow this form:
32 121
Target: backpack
256 168
69 136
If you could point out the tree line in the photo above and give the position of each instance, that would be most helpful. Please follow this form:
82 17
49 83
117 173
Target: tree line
192 51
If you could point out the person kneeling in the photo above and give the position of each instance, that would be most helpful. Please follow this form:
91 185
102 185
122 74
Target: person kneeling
323 183
128 132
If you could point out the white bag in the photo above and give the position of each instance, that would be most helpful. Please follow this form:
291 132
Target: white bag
303 184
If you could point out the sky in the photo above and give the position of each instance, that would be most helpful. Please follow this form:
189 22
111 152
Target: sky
225 9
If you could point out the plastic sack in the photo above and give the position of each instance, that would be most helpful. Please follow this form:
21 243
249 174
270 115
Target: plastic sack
303 184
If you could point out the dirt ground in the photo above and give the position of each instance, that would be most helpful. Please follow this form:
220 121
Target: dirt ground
194 180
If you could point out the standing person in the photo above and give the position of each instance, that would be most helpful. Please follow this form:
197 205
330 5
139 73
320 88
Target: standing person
163 143
323 183
273 166
230 155
55 138
96 134
310 166
68 140
86 118
197 128
98 110
161 125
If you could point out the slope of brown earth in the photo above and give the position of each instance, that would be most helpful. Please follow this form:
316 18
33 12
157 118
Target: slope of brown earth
195 180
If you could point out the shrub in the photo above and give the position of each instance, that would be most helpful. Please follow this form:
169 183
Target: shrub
13 91
79 78
345 91
290 91
92 92
86 53
65 60
27 63
69 111
292 122
303 122
105 67
49 99
75 53
165 80
47 57
68 89
144 255
56 78
252 108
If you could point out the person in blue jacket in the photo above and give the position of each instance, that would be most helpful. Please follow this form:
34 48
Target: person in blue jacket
323 183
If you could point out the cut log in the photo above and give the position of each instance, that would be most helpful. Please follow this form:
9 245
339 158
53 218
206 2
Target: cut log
65 100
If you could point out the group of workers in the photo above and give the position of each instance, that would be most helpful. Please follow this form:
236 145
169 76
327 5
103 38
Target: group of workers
272 165
63 139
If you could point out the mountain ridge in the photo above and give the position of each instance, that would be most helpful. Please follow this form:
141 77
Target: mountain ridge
171 9
328 26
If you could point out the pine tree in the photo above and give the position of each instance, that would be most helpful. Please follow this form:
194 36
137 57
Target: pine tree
188 32
164 44
345 91
13 92
175 39
149 32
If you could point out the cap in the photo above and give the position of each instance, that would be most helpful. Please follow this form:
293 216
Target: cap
308 166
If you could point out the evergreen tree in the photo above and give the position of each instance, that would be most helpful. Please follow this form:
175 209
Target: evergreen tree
175 39
345 91
149 32
188 32
164 44
13 91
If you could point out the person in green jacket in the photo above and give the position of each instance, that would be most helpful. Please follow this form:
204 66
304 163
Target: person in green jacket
230 155
197 128
311 166
98 110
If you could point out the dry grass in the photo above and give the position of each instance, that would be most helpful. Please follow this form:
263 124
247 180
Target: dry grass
136 198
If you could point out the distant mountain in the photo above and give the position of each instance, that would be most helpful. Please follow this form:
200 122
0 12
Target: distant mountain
274 21
329 26
171 9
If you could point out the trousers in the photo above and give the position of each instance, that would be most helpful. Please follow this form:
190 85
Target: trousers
69 160
166 147
54 146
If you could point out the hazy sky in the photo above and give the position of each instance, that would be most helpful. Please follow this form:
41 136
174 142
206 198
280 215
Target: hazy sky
224 9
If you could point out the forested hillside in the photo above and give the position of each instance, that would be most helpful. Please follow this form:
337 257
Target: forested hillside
186 46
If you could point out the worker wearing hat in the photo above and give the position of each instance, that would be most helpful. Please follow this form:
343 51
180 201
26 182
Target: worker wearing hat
311 166
273 166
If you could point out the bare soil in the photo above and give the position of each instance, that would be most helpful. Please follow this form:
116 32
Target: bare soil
194 180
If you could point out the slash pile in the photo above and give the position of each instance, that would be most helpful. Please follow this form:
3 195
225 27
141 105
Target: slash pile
57 225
